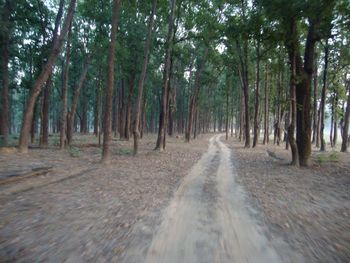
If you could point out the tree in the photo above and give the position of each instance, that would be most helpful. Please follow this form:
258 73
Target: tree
42 78
109 88
160 145
63 126
136 131
4 47
345 134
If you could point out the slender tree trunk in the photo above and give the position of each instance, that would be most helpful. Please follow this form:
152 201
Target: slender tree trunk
266 113
315 115
121 111
63 125
318 128
335 121
71 115
293 109
345 134
279 111
256 112
43 76
129 105
107 126
5 46
194 96
160 145
241 116
44 137
97 104
323 98
227 109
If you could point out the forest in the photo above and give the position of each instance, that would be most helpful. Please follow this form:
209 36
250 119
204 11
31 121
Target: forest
252 68
174 131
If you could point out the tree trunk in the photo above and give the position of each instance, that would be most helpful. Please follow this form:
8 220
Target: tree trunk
315 115
42 78
227 109
63 125
97 104
5 46
266 113
323 98
345 134
303 97
279 110
292 47
147 47
84 113
44 137
160 145
256 111
335 121
129 105
194 96
71 115
107 126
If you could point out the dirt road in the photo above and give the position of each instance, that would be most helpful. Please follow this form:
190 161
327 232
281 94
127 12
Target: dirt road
210 219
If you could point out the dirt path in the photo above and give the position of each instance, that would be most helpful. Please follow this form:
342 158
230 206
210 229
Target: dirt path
210 220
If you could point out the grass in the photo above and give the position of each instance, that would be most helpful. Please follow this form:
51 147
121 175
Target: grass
326 158
74 151
123 151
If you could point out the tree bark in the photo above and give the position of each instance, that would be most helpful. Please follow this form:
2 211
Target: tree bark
292 47
345 134
266 112
194 96
44 138
323 97
107 126
160 145
5 46
256 110
42 78
63 126
129 105
314 112
71 114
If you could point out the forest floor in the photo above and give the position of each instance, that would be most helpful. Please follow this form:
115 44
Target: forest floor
81 211
84 212
307 207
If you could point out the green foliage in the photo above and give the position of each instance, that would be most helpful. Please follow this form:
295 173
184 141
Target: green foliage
326 158
74 151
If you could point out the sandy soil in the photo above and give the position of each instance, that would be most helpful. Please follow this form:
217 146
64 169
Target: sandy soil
307 207
82 211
